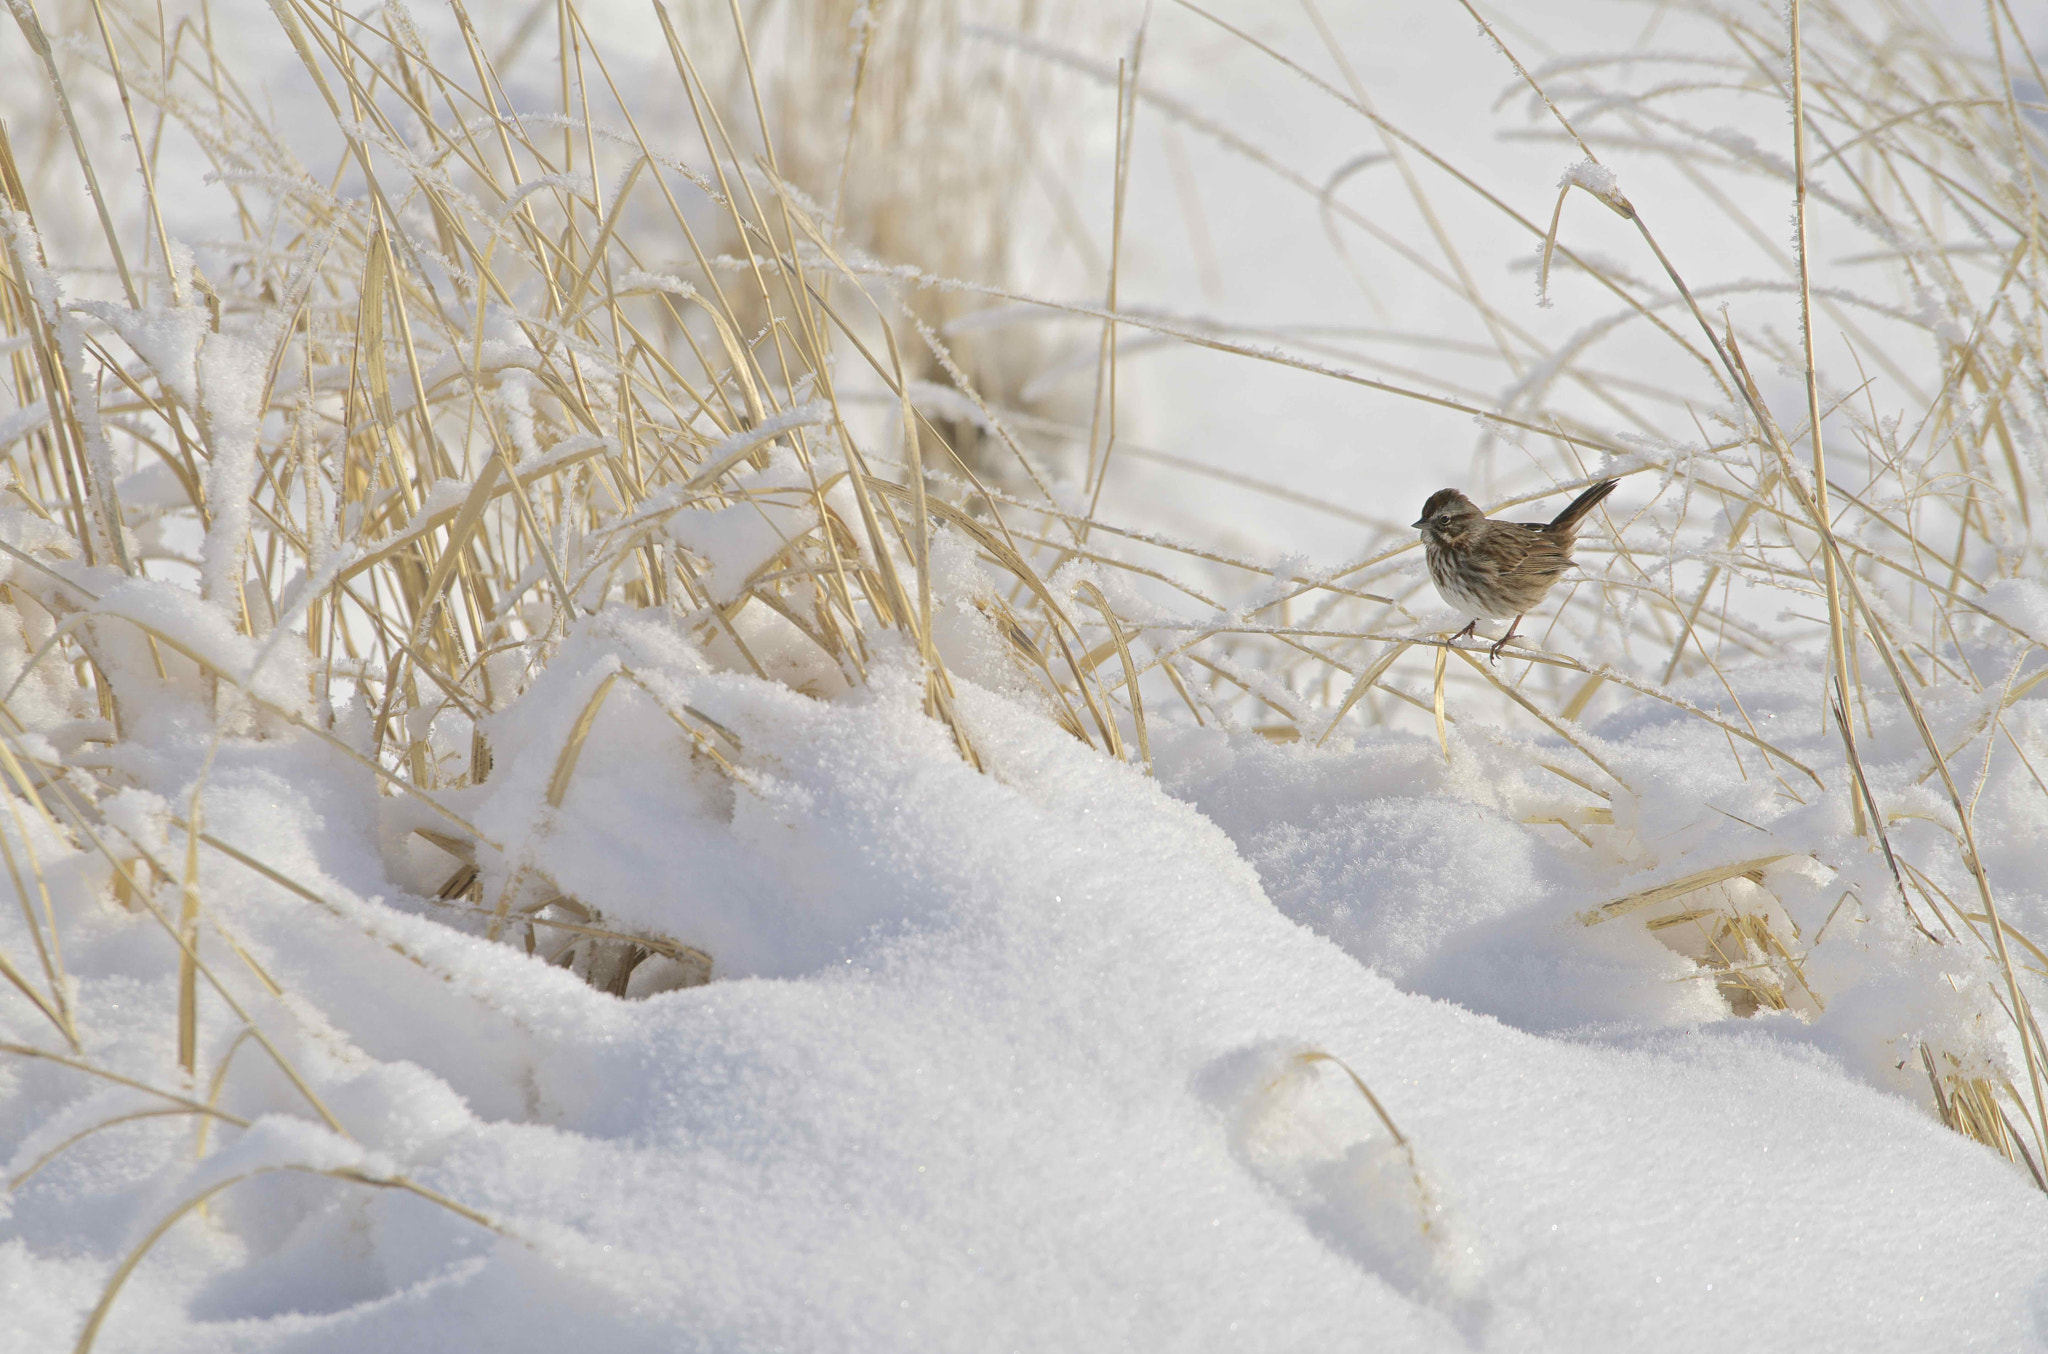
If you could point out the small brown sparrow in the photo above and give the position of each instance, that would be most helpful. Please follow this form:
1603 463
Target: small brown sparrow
1498 569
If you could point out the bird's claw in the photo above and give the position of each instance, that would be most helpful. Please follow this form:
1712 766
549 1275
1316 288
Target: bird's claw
1493 654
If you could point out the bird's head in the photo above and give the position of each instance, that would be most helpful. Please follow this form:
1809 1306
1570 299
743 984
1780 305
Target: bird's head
1447 515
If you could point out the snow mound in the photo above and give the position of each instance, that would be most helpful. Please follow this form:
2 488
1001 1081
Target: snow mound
1018 1060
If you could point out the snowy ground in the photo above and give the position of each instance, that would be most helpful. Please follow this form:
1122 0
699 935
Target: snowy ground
1021 1069
1280 1046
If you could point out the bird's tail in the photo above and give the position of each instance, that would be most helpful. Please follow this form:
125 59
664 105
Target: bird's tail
1568 521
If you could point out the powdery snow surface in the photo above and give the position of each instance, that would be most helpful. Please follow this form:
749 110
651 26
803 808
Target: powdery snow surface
1002 1061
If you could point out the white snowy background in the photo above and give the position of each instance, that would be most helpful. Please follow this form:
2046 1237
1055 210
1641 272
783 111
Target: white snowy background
1286 1033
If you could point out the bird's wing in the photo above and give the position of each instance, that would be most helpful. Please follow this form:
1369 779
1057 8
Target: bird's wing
1545 557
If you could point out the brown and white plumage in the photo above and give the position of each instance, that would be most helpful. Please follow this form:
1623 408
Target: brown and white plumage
1498 569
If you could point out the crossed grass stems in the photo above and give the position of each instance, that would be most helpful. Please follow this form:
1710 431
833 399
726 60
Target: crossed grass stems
655 395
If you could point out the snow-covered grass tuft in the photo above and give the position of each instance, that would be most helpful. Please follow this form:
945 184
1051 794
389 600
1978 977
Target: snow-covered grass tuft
596 652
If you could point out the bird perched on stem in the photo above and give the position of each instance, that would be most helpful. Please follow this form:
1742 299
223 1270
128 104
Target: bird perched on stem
1498 569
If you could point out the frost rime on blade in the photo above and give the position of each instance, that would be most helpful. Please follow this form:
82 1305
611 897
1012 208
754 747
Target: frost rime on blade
1592 176
232 374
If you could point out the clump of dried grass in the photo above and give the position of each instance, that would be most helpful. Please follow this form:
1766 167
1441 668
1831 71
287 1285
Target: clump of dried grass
490 381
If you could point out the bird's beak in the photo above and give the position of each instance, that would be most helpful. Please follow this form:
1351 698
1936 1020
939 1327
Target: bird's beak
1418 521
